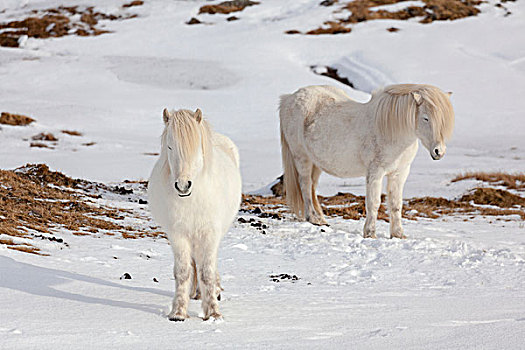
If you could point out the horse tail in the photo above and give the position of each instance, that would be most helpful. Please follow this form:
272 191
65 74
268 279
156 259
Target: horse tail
291 189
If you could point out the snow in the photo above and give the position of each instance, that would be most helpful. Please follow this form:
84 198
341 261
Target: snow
453 284
448 286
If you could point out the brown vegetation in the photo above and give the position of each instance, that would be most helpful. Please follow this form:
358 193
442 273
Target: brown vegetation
331 27
363 10
54 23
481 201
133 3
40 145
227 7
433 10
193 20
36 199
510 181
15 119
71 132
44 136
332 73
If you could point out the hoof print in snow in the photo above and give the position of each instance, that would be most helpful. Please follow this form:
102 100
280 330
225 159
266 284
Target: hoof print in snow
125 276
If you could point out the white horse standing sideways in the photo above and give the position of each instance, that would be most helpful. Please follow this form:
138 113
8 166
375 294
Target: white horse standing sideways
322 129
194 194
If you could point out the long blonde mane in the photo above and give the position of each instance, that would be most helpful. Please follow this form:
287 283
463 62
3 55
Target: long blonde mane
397 110
189 135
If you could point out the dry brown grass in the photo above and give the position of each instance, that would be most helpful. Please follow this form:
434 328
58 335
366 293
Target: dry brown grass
36 199
44 136
133 3
433 10
349 206
331 27
40 145
510 181
363 10
71 132
56 22
227 7
15 119
333 74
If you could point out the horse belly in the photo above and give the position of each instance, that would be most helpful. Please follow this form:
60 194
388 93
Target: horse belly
335 148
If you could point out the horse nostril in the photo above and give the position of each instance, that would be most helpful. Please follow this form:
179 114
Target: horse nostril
189 185
436 151
177 187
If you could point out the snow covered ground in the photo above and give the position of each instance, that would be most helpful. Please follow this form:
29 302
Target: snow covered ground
452 284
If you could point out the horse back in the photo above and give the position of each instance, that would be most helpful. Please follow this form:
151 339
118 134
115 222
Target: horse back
226 145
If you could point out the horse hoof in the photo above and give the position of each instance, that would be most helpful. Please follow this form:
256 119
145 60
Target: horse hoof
317 222
398 235
177 317
216 317
370 235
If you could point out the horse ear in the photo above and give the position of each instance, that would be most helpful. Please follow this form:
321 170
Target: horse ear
165 115
417 97
198 115
449 93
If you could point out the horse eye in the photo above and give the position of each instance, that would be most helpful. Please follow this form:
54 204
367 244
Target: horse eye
169 148
425 119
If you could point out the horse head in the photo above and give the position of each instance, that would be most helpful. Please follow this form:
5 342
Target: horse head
185 144
434 120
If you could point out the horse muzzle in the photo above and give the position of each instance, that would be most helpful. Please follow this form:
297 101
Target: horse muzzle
183 188
437 153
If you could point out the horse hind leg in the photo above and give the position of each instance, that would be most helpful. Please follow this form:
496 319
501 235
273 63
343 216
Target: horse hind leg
195 292
305 171
316 173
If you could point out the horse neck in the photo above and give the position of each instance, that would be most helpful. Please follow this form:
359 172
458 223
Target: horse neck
402 141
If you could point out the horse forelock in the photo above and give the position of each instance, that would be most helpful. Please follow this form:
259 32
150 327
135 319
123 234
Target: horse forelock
397 110
188 134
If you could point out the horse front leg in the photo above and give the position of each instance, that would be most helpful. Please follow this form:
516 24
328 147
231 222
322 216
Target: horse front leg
182 273
209 282
395 184
374 182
